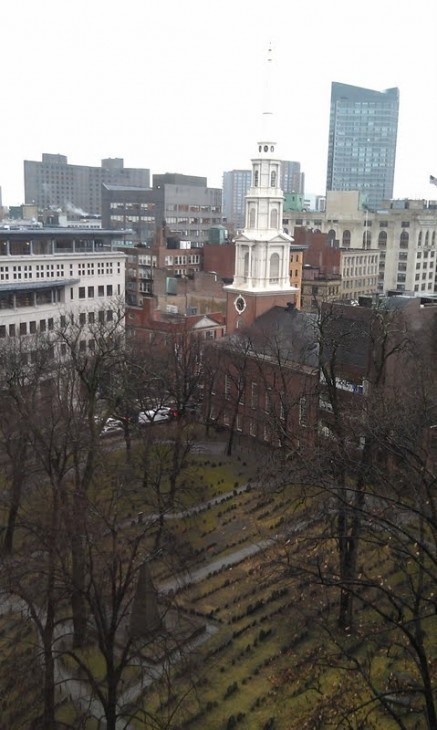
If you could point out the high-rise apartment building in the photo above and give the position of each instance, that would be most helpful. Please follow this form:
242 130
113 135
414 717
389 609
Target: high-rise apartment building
292 179
362 141
53 182
236 184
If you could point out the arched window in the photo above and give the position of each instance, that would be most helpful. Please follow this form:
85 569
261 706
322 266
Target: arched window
403 240
382 239
346 239
331 237
427 238
274 218
419 242
252 217
246 265
367 239
433 239
274 268
273 179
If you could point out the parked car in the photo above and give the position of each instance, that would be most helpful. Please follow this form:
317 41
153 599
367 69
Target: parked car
156 415
112 425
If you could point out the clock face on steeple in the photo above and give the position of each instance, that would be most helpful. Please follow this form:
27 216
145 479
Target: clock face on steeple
240 304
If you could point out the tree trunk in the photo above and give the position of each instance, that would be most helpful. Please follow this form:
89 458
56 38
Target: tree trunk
349 538
49 670
78 603
16 489
111 704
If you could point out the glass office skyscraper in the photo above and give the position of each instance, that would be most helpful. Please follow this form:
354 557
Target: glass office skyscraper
362 141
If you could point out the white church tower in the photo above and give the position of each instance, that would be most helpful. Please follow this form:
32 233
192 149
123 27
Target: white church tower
262 251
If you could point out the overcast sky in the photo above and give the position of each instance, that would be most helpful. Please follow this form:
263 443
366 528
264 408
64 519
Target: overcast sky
177 86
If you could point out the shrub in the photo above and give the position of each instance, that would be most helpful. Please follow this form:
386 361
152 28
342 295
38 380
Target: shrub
231 690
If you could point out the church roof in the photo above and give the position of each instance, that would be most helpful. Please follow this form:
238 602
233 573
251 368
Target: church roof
264 235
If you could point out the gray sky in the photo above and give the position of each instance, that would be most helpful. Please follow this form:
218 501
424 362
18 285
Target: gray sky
178 86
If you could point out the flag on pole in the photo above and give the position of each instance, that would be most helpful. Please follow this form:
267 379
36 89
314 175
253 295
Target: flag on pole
432 180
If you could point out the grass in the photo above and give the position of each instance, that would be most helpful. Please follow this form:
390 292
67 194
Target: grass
271 657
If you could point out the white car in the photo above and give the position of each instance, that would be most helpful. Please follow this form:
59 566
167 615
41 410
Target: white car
111 426
155 415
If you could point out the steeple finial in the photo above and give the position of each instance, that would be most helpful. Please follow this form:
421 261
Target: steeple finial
267 113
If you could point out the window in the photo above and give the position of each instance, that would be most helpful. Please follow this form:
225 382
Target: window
109 315
254 395
227 387
82 318
101 316
274 268
101 291
11 330
403 240
109 290
91 292
91 318
303 411
367 239
42 325
50 323
81 292
382 239
23 328
346 240
32 327
252 427
2 330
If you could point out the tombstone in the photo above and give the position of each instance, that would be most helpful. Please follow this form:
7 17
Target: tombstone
145 620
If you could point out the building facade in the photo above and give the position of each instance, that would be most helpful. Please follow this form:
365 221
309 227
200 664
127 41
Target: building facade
236 184
292 179
54 183
51 275
362 141
184 204
404 234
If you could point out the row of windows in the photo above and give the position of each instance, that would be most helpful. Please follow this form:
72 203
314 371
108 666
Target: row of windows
423 287
89 292
359 271
17 272
184 208
361 283
424 275
47 325
181 260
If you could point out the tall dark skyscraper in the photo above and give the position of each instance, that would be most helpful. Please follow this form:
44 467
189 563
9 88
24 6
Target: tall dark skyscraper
362 141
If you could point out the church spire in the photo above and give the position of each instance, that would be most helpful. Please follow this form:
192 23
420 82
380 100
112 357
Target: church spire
262 251
267 110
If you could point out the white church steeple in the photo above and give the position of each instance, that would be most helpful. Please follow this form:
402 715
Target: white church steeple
262 251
